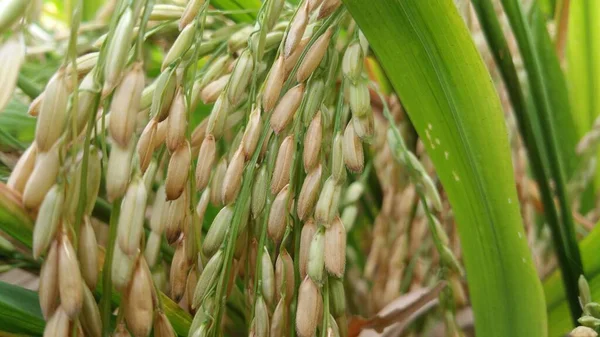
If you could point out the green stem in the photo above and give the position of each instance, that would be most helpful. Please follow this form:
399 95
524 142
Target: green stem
28 87
105 305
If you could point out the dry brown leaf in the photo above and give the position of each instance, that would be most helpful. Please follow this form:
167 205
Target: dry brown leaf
396 315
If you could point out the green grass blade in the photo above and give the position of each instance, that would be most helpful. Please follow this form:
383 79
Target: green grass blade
20 310
431 61
251 6
583 64
16 125
527 115
542 92
13 219
559 95
583 56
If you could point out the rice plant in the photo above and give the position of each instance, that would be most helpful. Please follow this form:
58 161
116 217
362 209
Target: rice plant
299 168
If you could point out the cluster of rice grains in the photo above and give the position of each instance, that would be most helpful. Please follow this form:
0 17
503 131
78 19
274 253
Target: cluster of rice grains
277 165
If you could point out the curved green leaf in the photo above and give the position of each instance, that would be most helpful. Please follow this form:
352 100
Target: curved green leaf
248 8
583 65
544 78
431 60
20 310
529 124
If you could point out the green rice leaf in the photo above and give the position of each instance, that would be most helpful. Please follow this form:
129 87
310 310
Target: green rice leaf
431 61
20 310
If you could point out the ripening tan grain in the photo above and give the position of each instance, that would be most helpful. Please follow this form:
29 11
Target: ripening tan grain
364 126
259 192
86 101
179 271
58 324
233 177
174 217
22 170
312 143
94 177
359 99
261 318
267 278
42 178
12 55
583 331
216 233
162 326
283 164
352 62
118 49
306 236
125 105
316 256
216 184
239 39
211 92
53 112
119 169
181 45
122 269
274 84
191 10
292 60
309 193
162 97
314 100
313 5
202 205
152 248
335 248
279 319
218 116
70 283
286 108
313 57
48 290
207 278
190 286
88 253
278 215
307 312
177 121
139 307
49 217
178 171
252 134
206 159
121 331
327 204
328 7
131 219
35 105
90 315
337 161
353 150
240 76
284 277
145 145
296 30
274 12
